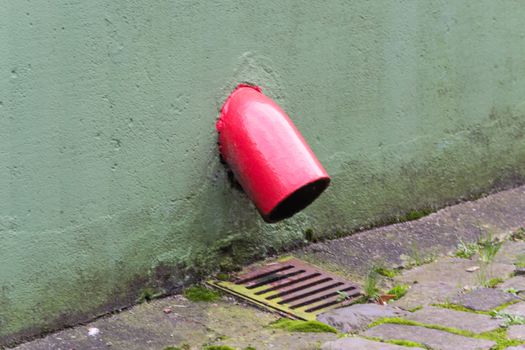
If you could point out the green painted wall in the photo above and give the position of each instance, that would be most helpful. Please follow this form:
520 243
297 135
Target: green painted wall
109 176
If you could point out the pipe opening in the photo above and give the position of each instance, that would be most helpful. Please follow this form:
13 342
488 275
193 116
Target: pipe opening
298 200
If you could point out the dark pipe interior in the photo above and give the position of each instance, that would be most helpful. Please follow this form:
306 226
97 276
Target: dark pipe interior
298 200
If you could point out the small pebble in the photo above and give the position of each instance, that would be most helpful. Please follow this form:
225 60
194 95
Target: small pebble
93 331
167 310
473 268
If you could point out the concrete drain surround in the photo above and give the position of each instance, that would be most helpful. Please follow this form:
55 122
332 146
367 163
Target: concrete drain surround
292 287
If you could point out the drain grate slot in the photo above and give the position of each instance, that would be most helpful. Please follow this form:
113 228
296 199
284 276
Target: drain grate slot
316 297
310 291
288 283
292 287
254 276
274 278
299 288
334 300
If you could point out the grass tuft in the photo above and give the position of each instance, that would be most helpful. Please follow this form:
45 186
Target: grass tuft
370 289
399 290
302 326
383 271
493 282
508 319
488 248
466 250
415 215
201 293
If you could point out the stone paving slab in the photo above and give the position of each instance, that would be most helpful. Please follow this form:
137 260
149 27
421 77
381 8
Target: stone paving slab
148 327
483 299
356 343
516 332
442 280
516 309
423 294
456 319
453 272
510 252
435 339
519 347
517 283
358 316
438 233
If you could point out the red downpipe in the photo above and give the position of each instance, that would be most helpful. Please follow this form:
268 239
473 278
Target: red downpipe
268 155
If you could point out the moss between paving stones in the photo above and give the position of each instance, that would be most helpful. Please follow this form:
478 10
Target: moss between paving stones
457 307
414 309
501 307
302 326
460 308
499 336
402 342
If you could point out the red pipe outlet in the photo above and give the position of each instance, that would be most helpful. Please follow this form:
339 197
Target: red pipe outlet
268 155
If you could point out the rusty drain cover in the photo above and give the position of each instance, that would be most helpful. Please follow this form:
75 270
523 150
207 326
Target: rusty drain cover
293 287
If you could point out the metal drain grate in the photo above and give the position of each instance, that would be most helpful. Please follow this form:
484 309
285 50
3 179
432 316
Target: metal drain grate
292 287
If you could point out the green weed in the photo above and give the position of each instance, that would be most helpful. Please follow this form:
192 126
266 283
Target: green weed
370 289
342 296
518 235
201 293
493 282
488 248
466 250
508 319
415 215
399 290
383 271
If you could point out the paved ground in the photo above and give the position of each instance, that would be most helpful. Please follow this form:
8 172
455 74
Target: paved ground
451 302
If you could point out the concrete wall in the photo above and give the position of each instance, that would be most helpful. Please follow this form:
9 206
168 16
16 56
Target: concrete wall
110 180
